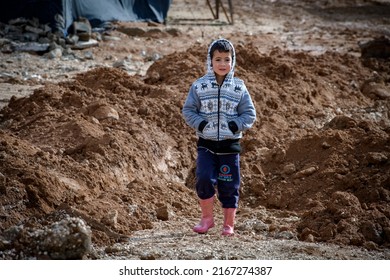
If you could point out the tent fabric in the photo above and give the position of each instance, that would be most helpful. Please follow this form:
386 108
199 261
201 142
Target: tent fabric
96 11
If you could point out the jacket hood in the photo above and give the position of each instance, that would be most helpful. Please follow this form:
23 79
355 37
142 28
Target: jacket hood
210 71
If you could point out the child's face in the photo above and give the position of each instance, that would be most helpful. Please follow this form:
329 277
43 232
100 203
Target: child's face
222 63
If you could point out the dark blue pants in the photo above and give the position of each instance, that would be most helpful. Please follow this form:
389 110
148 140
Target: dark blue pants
218 172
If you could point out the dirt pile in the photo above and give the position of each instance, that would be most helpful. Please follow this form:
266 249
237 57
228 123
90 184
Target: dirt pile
103 159
114 150
94 144
320 147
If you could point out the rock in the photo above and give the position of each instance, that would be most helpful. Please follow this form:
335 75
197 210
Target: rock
101 111
30 47
288 235
162 213
376 90
111 218
306 172
378 47
56 53
289 169
372 231
341 122
132 31
376 158
69 238
344 205
80 45
82 28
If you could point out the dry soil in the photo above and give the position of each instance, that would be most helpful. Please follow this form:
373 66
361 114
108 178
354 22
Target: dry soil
101 137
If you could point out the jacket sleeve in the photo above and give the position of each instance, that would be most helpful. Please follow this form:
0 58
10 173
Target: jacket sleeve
246 112
191 109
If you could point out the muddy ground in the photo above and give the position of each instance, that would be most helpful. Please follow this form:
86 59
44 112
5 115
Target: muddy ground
94 143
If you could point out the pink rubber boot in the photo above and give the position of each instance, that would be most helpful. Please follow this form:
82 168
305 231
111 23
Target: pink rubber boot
228 221
207 220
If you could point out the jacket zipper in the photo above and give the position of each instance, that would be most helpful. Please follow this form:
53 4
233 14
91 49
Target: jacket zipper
219 96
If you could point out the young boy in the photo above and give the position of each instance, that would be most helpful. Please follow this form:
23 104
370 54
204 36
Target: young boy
219 108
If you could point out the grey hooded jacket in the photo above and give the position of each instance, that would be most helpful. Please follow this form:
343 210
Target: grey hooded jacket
219 106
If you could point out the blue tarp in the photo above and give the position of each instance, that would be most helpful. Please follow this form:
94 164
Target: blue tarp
96 11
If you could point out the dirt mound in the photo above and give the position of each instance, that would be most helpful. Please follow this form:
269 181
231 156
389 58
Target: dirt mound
100 143
114 150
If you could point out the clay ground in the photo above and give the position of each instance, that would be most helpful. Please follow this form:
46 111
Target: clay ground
108 144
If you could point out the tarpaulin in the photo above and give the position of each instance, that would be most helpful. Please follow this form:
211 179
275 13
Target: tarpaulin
60 14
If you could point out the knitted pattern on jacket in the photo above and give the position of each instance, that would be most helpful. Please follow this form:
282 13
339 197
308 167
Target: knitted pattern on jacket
219 105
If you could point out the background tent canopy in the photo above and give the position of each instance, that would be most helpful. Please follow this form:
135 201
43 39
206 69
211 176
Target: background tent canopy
61 13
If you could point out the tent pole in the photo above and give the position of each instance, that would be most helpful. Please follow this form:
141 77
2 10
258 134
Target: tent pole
211 9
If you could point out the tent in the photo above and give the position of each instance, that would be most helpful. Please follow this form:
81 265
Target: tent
60 14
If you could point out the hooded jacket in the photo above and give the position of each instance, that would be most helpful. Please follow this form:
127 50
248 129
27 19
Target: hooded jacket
219 113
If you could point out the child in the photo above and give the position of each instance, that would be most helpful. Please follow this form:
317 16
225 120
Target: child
219 108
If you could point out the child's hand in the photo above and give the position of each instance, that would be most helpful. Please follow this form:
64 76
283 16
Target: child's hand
202 125
233 126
